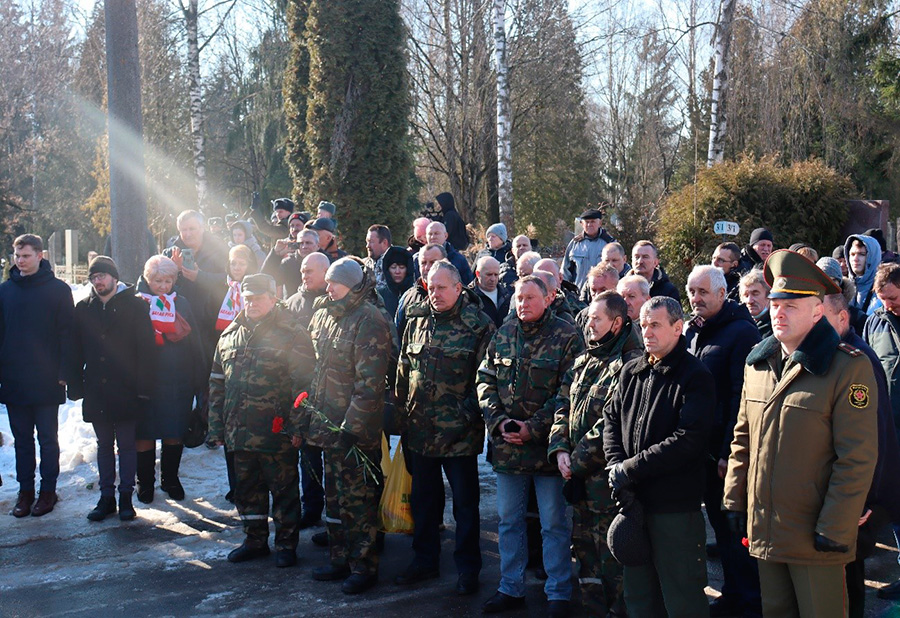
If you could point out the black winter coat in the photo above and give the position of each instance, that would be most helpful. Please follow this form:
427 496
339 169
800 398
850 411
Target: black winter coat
498 312
657 425
723 343
113 357
660 285
456 227
301 304
35 337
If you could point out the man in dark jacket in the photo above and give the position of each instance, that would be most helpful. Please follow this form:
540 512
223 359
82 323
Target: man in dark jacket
517 385
327 228
312 286
426 257
283 261
727 256
655 440
645 262
754 292
757 250
282 208
112 369
436 233
721 334
35 340
500 248
495 298
456 227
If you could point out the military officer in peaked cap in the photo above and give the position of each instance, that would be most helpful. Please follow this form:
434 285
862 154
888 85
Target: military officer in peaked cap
804 447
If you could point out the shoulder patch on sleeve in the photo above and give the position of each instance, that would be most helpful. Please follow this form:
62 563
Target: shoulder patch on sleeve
849 349
859 396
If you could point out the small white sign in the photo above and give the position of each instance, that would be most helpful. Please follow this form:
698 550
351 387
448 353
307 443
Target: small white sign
727 227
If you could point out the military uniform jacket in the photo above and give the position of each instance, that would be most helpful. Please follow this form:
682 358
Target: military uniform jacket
519 379
804 447
436 378
353 352
578 423
258 369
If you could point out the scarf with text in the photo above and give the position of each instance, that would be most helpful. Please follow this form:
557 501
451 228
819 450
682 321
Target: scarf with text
162 314
232 305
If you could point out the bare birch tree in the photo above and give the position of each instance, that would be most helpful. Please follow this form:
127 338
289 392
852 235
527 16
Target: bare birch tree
504 122
718 120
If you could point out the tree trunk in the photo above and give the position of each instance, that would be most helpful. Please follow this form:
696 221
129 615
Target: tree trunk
717 116
504 147
127 181
191 16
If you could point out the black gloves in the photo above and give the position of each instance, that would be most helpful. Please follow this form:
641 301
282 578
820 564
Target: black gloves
824 544
618 480
737 523
347 439
575 490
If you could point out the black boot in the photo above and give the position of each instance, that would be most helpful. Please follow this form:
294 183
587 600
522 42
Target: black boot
169 461
126 511
146 475
105 506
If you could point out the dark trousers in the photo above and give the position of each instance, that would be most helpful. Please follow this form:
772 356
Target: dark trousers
673 583
23 420
311 479
739 570
855 574
112 434
256 476
427 506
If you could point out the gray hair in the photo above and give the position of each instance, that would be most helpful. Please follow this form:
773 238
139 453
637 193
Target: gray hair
535 280
615 246
445 265
529 257
672 307
431 246
548 278
716 277
755 276
309 232
484 259
643 284
190 214
160 265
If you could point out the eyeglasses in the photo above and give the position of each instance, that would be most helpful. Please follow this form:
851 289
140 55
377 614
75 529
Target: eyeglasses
98 277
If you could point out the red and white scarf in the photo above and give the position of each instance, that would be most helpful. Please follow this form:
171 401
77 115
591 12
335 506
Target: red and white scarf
162 314
232 305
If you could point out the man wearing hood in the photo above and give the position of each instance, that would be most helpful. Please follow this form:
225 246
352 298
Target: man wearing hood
586 249
576 447
456 227
35 340
399 276
863 258
353 345
112 370
645 262
721 334
757 250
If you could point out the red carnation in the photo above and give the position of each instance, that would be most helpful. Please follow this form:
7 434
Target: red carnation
277 424
745 542
300 399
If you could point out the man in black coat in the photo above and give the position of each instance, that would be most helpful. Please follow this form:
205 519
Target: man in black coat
495 298
456 227
645 262
721 334
35 336
112 370
656 429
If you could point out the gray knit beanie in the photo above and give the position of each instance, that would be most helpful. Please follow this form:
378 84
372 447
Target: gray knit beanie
499 229
345 271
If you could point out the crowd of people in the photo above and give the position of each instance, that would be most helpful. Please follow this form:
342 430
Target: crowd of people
613 420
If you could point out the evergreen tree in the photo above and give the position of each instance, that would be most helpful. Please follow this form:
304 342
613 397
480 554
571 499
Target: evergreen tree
296 89
358 115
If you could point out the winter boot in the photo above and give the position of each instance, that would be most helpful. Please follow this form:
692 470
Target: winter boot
105 506
146 475
126 510
23 504
169 461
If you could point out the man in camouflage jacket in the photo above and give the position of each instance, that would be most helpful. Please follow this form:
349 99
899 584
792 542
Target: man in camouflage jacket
262 360
518 382
353 349
443 344
576 446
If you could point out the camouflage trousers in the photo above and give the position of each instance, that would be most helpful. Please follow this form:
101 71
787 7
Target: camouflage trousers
352 495
599 575
256 476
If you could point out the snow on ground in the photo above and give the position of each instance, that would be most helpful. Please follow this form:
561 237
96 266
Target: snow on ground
204 527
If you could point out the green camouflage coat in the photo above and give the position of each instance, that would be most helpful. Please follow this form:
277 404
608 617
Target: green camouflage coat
578 424
353 352
519 379
257 371
436 378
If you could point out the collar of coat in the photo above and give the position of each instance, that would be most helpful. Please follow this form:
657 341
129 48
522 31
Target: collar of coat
814 354
666 363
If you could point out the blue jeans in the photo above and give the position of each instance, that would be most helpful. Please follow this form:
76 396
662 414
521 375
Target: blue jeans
22 421
112 434
512 500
